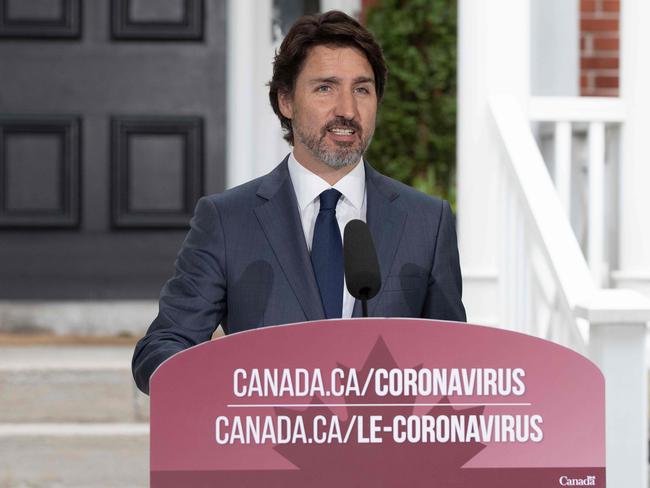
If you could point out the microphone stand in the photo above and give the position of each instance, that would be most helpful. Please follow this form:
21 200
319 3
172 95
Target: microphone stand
364 301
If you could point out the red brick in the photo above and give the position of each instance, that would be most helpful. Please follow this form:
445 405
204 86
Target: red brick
587 5
584 81
600 16
587 92
611 6
606 81
588 41
598 25
599 63
606 43
608 92
601 92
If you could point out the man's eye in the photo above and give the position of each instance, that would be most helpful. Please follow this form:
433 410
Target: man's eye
323 88
363 90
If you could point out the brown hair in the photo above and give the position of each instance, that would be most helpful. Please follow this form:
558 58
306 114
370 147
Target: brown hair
330 28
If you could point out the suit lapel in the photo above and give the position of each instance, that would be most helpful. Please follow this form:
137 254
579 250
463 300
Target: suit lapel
386 221
280 221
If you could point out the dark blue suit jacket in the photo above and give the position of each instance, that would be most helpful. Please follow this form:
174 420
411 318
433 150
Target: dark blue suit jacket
245 264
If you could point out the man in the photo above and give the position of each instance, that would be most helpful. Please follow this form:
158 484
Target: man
269 252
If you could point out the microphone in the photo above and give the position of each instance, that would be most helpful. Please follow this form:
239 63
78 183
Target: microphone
362 275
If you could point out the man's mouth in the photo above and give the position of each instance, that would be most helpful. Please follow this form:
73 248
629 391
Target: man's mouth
341 131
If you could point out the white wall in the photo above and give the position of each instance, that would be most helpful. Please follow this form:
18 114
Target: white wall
554 47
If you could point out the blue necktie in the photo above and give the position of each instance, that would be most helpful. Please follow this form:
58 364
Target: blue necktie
327 255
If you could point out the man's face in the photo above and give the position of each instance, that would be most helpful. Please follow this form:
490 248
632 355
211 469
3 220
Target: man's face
333 107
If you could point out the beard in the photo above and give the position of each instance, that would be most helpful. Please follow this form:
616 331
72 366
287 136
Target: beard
344 153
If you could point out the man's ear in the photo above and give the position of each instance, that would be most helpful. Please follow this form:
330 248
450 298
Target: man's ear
286 104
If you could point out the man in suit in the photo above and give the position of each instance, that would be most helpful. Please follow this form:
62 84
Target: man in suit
269 252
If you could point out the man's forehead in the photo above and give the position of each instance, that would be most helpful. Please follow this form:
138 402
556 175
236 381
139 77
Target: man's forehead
336 61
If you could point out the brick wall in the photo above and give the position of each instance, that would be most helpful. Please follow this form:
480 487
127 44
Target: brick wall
599 47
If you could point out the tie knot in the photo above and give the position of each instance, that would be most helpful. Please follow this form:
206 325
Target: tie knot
329 199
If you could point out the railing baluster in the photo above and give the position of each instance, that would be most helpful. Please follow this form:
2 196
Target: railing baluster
518 261
509 263
523 285
562 173
527 282
596 236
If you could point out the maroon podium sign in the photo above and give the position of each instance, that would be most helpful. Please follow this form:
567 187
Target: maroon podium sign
378 403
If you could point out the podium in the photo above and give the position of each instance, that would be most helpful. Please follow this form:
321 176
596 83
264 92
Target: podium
378 403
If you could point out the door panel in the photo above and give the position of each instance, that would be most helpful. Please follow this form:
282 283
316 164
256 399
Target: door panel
112 125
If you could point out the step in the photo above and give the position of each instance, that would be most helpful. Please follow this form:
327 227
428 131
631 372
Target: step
78 317
74 455
46 383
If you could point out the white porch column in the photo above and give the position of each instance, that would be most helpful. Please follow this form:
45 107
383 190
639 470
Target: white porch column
240 69
618 321
254 137
634 241
493 57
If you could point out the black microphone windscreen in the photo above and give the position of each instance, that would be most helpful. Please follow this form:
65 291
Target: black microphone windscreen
362 275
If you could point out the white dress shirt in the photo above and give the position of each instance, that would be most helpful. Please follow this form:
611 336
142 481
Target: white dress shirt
351 204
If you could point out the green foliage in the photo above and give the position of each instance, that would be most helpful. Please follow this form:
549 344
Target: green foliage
415 139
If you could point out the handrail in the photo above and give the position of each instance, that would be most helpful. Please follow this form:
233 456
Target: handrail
566 258
567 114
576 109
617 319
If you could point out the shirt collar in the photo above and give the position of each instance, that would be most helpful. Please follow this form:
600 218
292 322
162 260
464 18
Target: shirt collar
308 186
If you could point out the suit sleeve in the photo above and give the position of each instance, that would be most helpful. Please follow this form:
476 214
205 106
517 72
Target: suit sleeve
193 301
445 286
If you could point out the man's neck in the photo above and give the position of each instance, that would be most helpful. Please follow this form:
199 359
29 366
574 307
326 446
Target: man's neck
322 170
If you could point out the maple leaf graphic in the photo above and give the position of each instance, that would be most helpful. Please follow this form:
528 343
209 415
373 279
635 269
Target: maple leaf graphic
377 464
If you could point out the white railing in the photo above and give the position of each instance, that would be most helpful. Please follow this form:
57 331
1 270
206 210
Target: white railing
571 116
548 289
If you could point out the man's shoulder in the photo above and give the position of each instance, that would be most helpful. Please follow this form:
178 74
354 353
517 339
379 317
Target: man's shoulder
251 193
236 195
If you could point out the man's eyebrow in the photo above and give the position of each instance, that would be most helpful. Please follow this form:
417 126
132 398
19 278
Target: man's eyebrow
328 79
364 79
336 80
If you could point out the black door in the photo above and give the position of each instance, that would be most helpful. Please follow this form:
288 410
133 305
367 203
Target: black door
112 124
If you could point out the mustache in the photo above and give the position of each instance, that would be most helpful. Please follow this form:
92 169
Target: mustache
342 122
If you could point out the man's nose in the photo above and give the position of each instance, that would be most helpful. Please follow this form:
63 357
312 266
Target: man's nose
346 105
